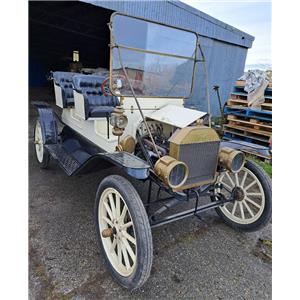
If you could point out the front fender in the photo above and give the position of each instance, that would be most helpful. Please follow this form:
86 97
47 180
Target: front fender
48 122
248 148
129 163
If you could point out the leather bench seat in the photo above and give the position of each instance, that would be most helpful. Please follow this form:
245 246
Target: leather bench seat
65 82
100 111
96 104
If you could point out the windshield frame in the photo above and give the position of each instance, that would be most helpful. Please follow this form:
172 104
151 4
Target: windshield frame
113 45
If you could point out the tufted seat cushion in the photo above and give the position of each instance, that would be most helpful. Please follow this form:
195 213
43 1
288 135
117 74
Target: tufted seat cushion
100 111
96 104
64 81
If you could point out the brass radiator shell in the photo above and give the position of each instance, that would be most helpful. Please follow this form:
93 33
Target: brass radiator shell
198 148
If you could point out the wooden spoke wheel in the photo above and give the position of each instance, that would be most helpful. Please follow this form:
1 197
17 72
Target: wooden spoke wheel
123 231
251 209
42 154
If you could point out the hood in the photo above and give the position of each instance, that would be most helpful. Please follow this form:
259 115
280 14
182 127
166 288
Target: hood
177 116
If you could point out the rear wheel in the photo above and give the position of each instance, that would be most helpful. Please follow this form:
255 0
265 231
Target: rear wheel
252 208
123 232
42 154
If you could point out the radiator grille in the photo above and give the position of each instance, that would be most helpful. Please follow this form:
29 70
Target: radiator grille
201 159
198 147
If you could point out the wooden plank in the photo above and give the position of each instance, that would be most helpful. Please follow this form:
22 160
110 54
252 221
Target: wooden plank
242 101
267 106
248 129
260 139
245 102
243 83
254 140
251 122
246 94
264 106
239 93
242 97
245 107
240 83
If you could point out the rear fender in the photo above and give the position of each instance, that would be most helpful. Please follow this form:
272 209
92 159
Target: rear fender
48 122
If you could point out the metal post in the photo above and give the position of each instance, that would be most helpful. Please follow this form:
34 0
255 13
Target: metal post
107 119
149 195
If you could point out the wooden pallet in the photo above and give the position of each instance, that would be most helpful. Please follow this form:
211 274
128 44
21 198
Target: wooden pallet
246 112
246 123
244 103
239 97
243 96
248 137
241 89
246 129
243 82
249 124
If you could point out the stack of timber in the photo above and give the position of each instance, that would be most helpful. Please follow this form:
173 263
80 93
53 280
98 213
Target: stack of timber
246 123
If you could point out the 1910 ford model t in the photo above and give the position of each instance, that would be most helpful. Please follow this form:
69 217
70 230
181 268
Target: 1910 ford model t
134 117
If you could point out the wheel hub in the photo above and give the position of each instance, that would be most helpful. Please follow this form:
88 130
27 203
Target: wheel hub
108 232
116 231
238 194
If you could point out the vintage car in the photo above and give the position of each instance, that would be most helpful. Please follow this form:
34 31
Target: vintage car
133 116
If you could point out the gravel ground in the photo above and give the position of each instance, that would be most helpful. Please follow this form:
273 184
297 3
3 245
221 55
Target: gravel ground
193 258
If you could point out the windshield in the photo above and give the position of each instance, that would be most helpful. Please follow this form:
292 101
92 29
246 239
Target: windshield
159 60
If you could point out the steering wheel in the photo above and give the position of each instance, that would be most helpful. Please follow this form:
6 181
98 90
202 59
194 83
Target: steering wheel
105 87
105 84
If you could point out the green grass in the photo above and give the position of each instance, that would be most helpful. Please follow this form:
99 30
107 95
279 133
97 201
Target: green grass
266 166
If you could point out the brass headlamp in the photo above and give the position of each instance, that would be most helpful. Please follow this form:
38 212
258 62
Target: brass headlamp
231 159
171 171
118 120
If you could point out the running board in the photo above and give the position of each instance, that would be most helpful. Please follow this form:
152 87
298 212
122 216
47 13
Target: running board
66 161
76 160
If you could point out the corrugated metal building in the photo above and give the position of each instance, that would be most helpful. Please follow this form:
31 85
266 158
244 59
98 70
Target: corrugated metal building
225 47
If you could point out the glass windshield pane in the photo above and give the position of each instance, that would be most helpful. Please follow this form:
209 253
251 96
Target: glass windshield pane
145 35
152 74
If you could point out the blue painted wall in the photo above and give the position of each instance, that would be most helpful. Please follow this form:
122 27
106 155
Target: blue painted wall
225 47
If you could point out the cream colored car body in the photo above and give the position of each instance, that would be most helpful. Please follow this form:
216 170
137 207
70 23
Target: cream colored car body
95 129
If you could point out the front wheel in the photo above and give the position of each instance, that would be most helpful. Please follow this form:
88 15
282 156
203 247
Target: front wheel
123 232
252 208
42 154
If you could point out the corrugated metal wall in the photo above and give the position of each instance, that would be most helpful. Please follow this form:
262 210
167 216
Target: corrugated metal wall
225 47
225 63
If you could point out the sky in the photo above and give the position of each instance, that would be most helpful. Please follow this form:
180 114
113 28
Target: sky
252 16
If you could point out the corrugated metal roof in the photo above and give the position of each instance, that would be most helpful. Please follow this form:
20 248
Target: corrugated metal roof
181 15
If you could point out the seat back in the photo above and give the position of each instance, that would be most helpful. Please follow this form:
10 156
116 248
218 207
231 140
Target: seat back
63 86
89 86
